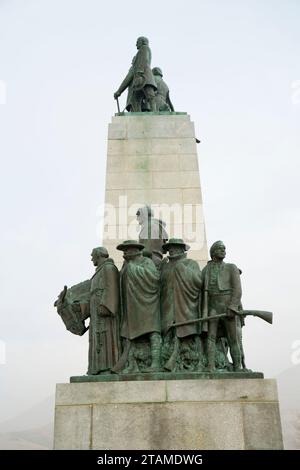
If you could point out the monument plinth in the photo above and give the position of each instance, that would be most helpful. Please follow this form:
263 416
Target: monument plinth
169 415
152 159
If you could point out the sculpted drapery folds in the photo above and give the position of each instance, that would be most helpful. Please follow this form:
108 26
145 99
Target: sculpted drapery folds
140 303
180 302
104 321
140 297
140 308
180 292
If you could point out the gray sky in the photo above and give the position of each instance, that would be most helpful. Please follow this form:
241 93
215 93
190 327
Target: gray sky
233 66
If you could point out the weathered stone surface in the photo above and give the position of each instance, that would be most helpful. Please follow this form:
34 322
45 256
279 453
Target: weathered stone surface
189 231
175 145
247 390
176 179
188 162
132 181
125 198
161 127
157 146
187 414
152 163
168 426
73 427
191 196
152 160
262 426
125 392
198 254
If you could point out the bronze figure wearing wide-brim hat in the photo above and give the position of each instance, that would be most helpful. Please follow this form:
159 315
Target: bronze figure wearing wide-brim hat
130 244
175 241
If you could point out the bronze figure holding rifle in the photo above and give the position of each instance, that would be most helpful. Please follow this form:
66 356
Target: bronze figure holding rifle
222 294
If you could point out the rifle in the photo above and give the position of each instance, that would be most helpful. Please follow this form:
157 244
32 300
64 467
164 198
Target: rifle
170 365
266 316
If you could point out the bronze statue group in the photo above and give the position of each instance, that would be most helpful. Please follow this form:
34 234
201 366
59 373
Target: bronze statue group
160 313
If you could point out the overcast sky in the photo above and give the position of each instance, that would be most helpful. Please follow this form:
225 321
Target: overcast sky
234 67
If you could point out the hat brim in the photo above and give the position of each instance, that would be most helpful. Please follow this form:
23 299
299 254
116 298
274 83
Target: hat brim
122 246
167 245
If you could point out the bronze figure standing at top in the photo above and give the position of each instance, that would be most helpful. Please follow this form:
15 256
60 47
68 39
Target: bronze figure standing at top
140 80
147 90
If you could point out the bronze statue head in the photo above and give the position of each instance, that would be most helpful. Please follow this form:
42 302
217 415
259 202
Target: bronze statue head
176 247
217 250
99 255
142 41
131 249
157 71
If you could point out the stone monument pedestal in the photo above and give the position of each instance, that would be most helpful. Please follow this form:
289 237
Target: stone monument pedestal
152 159
168 414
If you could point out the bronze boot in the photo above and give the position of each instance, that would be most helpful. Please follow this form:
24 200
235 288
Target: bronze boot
155 344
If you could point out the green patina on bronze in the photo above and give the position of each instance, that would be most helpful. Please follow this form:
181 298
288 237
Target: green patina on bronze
162 97
139 290
139 81
147 91
180 302
98 300
167 376
160 318
157 113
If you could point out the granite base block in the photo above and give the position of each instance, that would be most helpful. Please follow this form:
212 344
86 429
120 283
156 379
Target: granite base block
168 414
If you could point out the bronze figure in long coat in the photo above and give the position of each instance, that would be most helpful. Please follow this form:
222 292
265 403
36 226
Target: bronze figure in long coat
140 281
140 298
104 305
139 80
180 290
